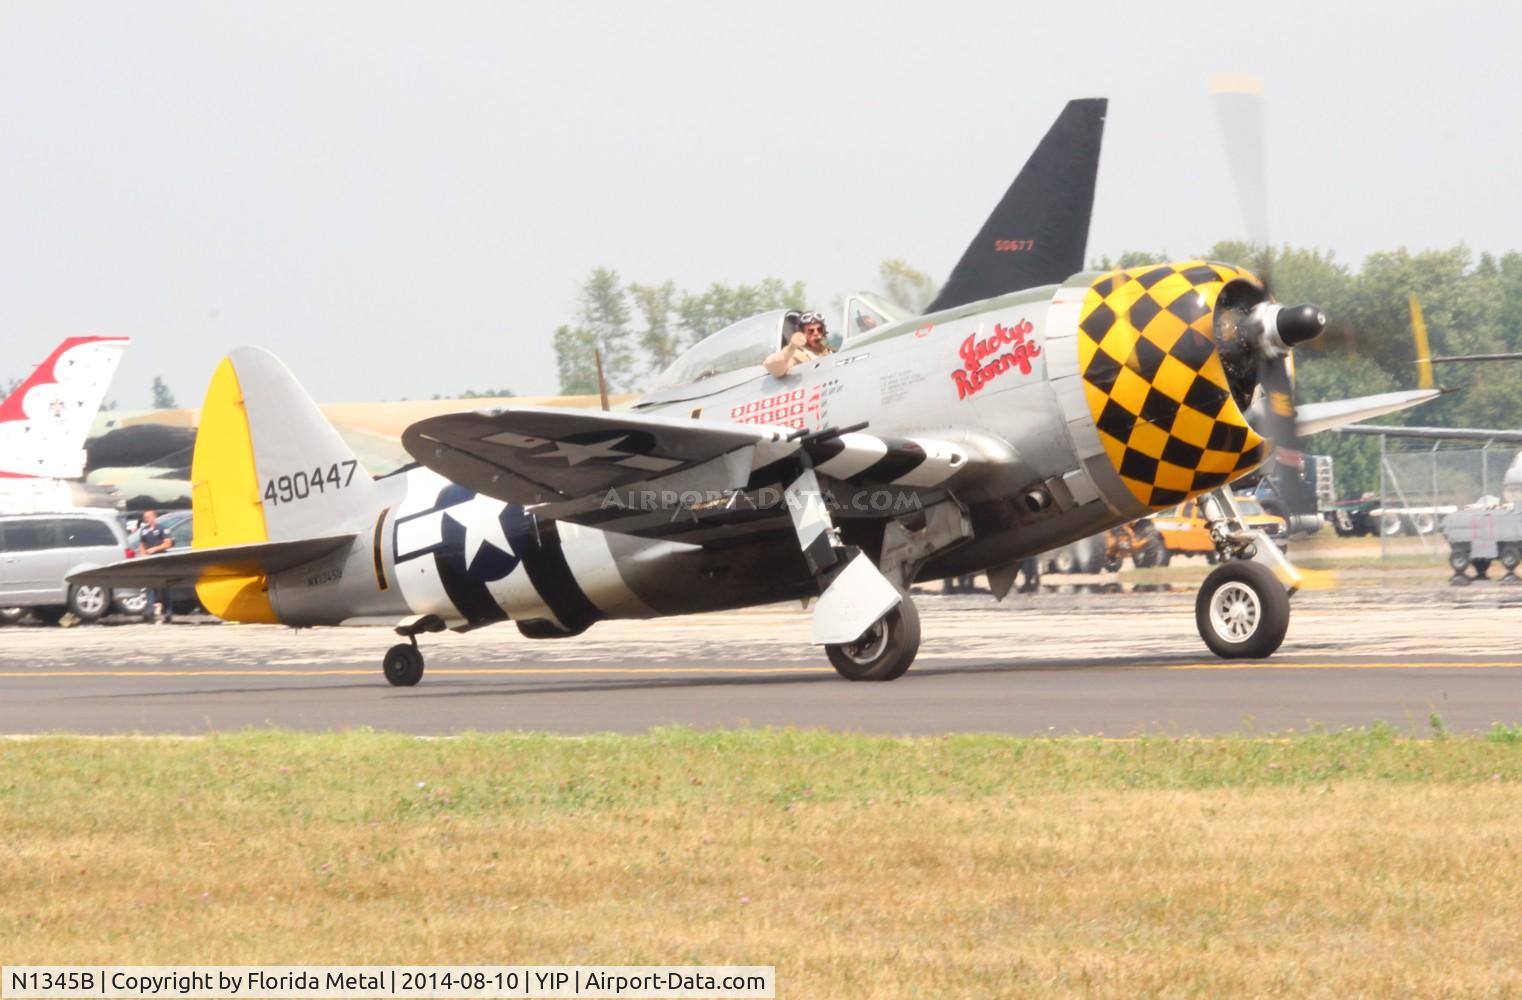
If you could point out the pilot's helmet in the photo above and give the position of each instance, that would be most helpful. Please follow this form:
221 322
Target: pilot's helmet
813 317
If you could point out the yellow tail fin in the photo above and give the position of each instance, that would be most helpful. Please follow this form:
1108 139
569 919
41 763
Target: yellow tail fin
224 498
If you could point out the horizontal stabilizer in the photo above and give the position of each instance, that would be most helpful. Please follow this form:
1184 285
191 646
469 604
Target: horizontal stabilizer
188 566
1314 418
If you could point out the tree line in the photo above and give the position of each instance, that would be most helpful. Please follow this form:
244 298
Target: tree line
641 328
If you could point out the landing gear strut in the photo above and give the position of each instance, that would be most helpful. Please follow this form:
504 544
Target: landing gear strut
403 665
1242 610
865 618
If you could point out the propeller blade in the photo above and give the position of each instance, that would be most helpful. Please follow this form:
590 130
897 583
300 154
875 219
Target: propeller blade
1238 104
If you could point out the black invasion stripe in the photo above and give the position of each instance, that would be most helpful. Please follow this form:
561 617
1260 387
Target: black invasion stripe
903 458
380 564
822 451
544 560
820 555
783 470
469 596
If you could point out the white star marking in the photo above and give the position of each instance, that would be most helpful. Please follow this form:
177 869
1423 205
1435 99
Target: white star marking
575 454
481 517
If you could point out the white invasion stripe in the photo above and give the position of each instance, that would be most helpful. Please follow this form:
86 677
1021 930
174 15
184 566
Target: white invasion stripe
597 572
417 533
862 451
771 451
810 518
942 461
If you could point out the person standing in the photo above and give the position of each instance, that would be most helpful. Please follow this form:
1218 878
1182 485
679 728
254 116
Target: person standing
151 539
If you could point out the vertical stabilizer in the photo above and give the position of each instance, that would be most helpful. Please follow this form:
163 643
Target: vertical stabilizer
1039 232
44 423
267 462
268 467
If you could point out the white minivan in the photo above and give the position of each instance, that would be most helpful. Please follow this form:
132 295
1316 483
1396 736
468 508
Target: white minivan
39 551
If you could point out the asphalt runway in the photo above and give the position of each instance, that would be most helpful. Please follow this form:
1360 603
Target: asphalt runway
1114 664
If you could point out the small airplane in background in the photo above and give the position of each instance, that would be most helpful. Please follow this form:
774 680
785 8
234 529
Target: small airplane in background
44 423
1034 404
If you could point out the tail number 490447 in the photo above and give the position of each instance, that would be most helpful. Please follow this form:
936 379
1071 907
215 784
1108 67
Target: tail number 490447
300 485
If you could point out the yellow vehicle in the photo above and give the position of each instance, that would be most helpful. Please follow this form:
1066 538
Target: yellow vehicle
1185 532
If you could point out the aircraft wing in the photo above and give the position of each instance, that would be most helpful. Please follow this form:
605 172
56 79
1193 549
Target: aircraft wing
632 472
188 566
1313 418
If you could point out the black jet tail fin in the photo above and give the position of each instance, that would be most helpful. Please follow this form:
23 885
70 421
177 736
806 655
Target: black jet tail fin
1038 233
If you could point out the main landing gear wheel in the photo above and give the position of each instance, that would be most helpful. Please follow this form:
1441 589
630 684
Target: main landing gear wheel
403 665
1242 611
885 651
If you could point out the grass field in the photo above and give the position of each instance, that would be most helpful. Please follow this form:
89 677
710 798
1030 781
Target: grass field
1311 865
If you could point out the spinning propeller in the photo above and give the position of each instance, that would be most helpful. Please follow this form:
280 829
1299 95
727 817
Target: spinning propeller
1255 334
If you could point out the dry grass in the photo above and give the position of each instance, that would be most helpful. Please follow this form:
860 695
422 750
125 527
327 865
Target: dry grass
1321 865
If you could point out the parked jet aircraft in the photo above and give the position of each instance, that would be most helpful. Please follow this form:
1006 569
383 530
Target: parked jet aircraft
44 422
961 441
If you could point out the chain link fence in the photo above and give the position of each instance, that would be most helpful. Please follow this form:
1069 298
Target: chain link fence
1420 485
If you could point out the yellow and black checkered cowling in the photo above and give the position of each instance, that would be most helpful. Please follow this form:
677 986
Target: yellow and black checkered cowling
1155 384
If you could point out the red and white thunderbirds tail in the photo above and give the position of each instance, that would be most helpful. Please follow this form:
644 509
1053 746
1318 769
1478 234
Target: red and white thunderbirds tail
44 423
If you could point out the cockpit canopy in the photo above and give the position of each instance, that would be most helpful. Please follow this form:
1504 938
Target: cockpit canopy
744 345
740 345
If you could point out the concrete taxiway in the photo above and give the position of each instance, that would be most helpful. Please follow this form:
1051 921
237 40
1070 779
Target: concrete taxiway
1053 662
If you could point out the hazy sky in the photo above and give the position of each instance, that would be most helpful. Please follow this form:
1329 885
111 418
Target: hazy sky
400 200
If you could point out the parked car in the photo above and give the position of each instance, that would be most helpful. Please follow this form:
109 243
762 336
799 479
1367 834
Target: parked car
1186 533
39 551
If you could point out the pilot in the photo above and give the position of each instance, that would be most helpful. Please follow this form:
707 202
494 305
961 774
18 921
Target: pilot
807 344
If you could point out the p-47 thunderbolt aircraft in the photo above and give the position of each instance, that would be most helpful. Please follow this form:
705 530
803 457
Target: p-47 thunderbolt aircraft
956 442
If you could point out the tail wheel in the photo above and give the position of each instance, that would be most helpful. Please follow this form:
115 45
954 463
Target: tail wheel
89 602
1242 611
1066 561
885 651
403 665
